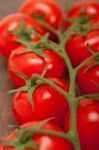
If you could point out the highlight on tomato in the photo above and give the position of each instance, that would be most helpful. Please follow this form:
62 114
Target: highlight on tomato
88 78
29 63
15 27
87 123
76 46
40 141
89 9
47 103
49 11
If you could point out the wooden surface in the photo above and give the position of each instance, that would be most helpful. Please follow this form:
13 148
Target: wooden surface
6 117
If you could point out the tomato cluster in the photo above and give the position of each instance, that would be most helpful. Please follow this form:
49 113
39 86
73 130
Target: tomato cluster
30 40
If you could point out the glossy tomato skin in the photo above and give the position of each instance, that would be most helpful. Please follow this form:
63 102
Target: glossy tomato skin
87 124
89 8
48 102
45 142
76 46
49 8
30 63
88 79
12 23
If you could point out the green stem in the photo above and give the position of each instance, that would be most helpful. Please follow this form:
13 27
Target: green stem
73 101
68 33
72 89
66 59
79 98
73 124
55 47
53 133
52 45
86 61
46 81
50 28
47 26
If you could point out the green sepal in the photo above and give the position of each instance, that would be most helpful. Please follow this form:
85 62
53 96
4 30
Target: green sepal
41 123
24 137
31 48
38 17
45 70
21 146
23 33
89 49
24 89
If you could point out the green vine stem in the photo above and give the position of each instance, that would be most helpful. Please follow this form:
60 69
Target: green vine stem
87 60
73 105
94 96
46 81
71 96
73 101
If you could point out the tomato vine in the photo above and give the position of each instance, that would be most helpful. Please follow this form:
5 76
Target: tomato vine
73 100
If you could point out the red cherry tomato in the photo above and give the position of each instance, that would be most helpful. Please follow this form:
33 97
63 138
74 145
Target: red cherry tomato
88 8
30 63
87 124
76 46
48 102
48 8
12 23
88 79
45 142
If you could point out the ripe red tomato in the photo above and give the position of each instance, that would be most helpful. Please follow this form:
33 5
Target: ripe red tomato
30 63
88 79
45 142
12 23
87 124
88 8
76 46
48 8
48 102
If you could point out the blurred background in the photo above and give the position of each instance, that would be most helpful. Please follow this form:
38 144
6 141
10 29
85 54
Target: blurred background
8 6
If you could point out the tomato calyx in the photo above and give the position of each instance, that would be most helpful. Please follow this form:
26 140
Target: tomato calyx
83 30
33 83
81 20
23 33
30 87
24 137
38 17
83 24
95 61
19 145
38 48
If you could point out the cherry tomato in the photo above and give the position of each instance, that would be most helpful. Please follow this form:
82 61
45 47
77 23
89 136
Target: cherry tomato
76 46
87 8
49 9
30 63
87 124
12 23
48 102
45 142
88 79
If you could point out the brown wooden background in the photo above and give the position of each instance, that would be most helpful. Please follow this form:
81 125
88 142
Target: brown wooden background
6 117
